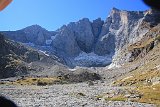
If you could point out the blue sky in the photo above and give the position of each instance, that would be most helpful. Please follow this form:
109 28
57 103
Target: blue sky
52 14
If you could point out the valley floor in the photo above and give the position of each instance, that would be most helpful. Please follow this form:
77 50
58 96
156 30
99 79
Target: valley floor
66 95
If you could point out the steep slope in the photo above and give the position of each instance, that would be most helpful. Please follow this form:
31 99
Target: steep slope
11 63
146 77
17 59
145 55
137 30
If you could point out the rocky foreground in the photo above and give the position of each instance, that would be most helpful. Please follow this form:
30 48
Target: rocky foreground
66 95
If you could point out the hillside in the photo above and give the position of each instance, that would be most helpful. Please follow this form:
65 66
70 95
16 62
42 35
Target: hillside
19 60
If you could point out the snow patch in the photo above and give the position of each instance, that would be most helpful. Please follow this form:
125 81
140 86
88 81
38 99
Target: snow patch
72 69
29 44
44 52
92 59
53 37
48 42
113 65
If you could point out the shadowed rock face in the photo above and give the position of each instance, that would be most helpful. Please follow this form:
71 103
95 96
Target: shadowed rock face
83 34
65 42
13 57
18 60
97 27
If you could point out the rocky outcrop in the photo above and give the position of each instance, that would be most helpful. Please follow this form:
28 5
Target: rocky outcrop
81 75
141 51
145 45
97 27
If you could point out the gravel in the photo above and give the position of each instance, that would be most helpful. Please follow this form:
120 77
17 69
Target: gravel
66 95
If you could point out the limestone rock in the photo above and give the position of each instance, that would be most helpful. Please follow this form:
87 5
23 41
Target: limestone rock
65 42
83 33
97 27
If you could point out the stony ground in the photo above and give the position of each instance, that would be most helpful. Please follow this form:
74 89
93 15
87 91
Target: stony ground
67 95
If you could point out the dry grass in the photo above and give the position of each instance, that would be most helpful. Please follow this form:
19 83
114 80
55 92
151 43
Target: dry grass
145 78
42 81
158 38
150 94
149 70
139 79
116 98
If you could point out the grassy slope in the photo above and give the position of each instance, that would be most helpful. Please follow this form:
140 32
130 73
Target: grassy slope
145 78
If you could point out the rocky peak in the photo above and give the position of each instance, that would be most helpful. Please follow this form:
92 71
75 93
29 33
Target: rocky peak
97 26
123 17
36 34
83 33
84 20
114 10
33 28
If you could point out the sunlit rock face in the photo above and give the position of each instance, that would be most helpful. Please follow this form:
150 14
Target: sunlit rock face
125 26
132 27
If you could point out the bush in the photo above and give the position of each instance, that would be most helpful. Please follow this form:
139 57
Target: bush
41 83
158 38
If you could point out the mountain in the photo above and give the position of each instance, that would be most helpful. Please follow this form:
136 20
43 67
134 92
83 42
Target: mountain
18 60
92 44
31 34
73 42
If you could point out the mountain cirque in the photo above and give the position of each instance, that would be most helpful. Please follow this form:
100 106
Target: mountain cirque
100 63
104 39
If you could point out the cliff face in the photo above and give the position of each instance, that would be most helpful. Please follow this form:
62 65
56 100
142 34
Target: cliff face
134 30
97 43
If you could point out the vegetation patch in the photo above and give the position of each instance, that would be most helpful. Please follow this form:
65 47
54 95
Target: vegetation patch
150 94
145 79
139 79
158 38
81 94
117 98
41 81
